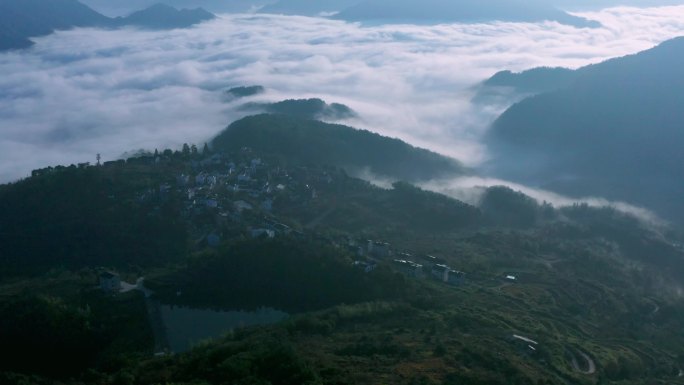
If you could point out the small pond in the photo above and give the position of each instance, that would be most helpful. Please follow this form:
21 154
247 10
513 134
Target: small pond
186 327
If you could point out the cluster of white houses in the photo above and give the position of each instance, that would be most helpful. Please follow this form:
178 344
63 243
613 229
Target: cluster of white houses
428 266
254 186
440 272
229 188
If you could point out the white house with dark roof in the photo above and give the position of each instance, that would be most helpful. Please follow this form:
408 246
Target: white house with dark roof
258 233
110 282
456 277
379 249
409 268
441 272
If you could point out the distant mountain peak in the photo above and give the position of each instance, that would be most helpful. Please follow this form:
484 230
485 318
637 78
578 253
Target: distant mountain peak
312 142
462 11
612 130
22 19
161 6
162 16
314 108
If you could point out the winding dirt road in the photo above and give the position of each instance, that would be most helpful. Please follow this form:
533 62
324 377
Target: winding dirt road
591 365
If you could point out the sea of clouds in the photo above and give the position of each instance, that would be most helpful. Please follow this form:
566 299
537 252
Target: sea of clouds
82 92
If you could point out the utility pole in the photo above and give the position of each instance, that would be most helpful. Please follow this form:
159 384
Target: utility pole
98 157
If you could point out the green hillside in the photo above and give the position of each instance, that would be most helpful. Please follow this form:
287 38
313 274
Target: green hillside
311 142
536 294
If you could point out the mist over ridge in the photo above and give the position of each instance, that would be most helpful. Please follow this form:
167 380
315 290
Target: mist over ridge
613 131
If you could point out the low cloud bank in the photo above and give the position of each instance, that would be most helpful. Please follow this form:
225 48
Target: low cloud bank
471 189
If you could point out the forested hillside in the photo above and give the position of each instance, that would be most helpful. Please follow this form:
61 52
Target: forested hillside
311 142
588 138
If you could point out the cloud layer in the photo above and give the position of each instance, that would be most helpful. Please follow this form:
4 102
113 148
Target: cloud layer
471 190
82 92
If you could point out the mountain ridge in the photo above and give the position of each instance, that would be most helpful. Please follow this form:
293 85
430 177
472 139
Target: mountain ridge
313 109
462 11
162 16
586 138
22 20
311 141
305 7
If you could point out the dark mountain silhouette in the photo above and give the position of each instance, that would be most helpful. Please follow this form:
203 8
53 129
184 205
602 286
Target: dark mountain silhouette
429 11
307 7
597 4
245 91
316 7
125 7
533 81
160 16
11 39
615 131
304 141
305 109
21 20
506 87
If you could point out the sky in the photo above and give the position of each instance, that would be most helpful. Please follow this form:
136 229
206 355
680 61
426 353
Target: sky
82 92
124 7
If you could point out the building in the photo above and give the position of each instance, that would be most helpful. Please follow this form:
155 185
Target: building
258 233
222 218
366 266
183 180
110 282
267 205
431 261
240 206
446 274
441 272
379 249
213 240
409 268
201 178
164 191
456 277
